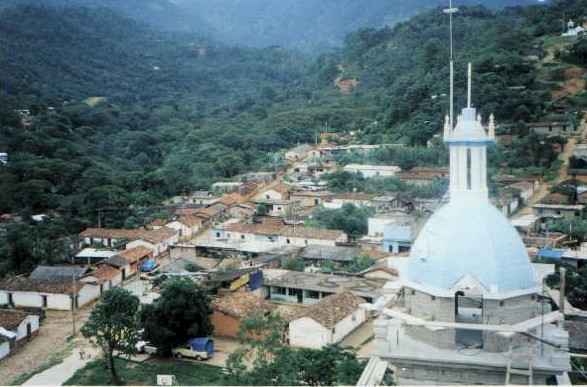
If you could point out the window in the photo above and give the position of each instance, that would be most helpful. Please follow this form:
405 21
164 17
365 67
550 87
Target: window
287 240
242 236
502 303
306 241
44 300
313 294
468 168
281 290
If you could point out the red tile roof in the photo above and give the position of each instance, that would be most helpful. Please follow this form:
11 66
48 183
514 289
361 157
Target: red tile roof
190 220
11 319
135 253
21 284
102 274
111 233
242 305
313 233
332 309
158 236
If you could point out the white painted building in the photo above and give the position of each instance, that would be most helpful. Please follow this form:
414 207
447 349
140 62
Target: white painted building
4 345
373 170
467 304
25 325
26 292
526 189
185 225
156 240
328 321
101 279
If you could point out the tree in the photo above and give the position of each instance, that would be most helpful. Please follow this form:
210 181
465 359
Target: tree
182 312
575 287
264 359
114 325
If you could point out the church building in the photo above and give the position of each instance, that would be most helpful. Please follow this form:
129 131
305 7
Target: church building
468 309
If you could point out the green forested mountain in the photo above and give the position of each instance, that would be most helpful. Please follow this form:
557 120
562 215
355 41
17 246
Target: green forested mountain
122 116
308 25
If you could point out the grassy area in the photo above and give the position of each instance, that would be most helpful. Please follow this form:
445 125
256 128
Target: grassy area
53 360
145 374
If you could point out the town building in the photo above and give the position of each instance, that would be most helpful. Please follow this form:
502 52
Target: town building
109 237
466 308
309 288
24 325
369 171
328 321
37 293
552 127
231 310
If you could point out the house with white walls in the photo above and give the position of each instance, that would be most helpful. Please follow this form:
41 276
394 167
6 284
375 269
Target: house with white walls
109 237
369 171
102 278
58 295
156 240
328 321
24 325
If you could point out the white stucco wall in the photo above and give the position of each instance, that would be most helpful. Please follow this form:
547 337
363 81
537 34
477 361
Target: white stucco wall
4 349
30 319
348 324
181 228
307 333
377 225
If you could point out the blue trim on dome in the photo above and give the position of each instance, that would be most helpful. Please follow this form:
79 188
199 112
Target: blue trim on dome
469 142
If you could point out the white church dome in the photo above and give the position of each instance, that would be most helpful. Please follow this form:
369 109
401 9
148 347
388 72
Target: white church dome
470 239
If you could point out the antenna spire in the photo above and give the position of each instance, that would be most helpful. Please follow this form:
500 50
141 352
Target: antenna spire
469 74
450 10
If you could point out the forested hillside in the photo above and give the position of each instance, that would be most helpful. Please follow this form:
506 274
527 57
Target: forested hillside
309 25
122 116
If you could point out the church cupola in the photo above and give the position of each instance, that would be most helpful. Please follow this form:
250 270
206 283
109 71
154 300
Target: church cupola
468 142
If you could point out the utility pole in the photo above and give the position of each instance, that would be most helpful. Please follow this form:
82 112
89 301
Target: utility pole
73 295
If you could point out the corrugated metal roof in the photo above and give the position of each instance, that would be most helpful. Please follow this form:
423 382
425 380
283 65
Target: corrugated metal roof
332 253
57 272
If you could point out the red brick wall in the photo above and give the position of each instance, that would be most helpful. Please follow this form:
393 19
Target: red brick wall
225 325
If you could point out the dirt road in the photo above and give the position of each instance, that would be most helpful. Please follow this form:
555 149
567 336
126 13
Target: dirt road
562 173
51 341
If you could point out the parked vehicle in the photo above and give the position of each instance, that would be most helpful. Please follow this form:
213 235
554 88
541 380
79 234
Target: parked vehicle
199 348
149 265
150 349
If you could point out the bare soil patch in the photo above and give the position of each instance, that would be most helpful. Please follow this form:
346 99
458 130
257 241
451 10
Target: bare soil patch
51 341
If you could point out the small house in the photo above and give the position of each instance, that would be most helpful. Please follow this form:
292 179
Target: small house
133 258
102 278
109 237
156 240
25 325
231 310
369 171
328 321
37 293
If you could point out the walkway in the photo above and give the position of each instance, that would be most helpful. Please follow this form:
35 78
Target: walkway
59 374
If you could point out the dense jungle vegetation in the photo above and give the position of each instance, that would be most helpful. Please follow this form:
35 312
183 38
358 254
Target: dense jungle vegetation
123 116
